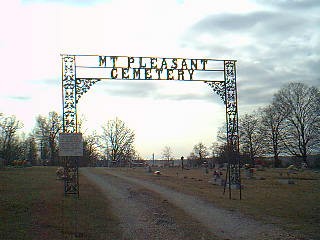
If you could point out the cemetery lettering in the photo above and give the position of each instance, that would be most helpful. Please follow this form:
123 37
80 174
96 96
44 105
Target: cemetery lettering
151 68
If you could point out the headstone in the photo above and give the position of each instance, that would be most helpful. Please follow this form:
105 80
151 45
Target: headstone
236 186
217 178
149 169
286 181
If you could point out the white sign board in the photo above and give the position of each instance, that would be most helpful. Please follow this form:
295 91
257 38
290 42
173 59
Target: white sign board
70 144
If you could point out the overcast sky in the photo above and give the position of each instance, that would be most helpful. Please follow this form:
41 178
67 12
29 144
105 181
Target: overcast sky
275 42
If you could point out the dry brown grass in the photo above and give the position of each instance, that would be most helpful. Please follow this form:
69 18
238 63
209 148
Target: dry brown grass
32 206
295 207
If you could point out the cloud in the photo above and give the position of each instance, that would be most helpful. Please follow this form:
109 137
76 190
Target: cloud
81 3
297 5
272 48
157 90
121 88
20 98
231 22
50 82
262 25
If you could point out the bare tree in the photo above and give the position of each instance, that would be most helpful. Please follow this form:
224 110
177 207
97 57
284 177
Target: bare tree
213 155
220 147
29 149
91 151
272 126
191 160
47 129
200 151
118 141
250 136
222 135
9 126
81 124
214 149
302 136
167 154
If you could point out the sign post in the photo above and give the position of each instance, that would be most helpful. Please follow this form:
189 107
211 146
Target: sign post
71 147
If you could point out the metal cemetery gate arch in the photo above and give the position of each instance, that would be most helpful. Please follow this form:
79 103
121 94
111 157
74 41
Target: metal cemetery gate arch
80 72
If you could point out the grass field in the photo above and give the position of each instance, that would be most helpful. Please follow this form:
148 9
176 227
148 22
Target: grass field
296 207
32 206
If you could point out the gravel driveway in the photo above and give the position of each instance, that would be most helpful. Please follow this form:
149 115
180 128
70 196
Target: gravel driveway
144 214
135 211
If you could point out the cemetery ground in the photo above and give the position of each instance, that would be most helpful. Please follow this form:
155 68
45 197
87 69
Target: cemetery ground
32 204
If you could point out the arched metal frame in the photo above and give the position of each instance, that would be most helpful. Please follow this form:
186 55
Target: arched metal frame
73 88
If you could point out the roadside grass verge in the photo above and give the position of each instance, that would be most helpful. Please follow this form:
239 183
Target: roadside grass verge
33 206
295 207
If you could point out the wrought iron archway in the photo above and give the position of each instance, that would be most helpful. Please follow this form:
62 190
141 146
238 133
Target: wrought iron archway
80 72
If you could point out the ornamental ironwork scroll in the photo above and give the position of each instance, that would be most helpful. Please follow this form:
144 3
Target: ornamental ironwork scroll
81 72
69 93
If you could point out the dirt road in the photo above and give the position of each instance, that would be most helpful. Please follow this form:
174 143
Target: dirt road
144 210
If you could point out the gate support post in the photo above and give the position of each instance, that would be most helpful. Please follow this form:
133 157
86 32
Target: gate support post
69 87
233 172
227 90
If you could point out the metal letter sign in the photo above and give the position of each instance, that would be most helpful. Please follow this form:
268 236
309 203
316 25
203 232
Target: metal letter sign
70 145
80 72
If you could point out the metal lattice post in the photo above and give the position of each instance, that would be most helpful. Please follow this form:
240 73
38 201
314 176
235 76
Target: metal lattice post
232 125
71 181
227 90
69 94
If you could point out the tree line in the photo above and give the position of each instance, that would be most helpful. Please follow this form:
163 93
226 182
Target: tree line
289 125
41 145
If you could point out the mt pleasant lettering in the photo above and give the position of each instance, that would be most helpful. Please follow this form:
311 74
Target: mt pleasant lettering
151 68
